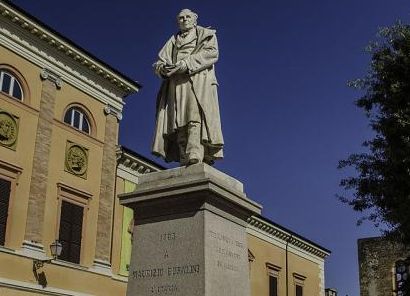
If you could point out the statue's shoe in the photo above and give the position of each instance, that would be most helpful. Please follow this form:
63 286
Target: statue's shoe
192 161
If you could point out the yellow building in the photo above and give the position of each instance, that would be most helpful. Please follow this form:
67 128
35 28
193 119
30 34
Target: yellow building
61 170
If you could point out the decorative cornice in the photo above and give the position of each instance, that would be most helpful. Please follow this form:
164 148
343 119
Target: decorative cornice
47 74
113 111
26 46
273 267
78 56
298 276
11 170
286 237
67 188
134 165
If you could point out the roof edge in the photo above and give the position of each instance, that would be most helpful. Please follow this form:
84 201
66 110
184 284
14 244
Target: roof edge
137 162
285 234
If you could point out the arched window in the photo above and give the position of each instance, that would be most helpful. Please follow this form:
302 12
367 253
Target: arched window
10 85
77 118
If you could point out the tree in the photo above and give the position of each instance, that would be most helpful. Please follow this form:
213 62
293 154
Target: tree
381 188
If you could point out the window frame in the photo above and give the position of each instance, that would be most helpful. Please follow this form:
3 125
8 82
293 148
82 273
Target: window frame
84 112
406 263
296 289
299 280
3 179
273 271
271 277
10 173
79 198
13 83
25 91
70 242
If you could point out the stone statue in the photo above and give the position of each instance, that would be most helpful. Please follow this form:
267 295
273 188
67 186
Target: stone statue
188 125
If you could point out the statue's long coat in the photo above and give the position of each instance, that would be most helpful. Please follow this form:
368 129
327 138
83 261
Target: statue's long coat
201 71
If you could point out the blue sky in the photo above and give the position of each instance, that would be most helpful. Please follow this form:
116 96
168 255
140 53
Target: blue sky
287 114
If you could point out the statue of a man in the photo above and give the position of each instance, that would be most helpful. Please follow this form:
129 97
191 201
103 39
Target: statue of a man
188 125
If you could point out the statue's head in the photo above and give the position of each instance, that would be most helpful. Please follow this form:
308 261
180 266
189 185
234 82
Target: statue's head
186 19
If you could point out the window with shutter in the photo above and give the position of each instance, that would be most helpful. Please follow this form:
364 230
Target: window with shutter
299 290
273 286
5 187
70 234
299 281
273 273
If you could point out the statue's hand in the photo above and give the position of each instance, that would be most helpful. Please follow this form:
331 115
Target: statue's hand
181 66
170 70
163 71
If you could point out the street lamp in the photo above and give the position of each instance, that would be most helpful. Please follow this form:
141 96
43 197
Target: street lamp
56 247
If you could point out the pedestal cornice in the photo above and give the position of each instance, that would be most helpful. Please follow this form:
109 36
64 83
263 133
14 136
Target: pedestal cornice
183 181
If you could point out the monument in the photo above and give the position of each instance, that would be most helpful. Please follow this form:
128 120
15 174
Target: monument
189 235
188 125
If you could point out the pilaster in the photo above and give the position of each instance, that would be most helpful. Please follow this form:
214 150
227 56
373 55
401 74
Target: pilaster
38 186
107 191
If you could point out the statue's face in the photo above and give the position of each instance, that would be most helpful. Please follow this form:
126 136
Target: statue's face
186 20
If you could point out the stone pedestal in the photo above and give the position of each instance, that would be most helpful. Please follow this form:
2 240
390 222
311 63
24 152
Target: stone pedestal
189 234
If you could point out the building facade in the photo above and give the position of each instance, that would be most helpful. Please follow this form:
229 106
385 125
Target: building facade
384 267
283 262
61 169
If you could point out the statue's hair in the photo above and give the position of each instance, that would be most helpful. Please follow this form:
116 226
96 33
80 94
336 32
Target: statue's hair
195 16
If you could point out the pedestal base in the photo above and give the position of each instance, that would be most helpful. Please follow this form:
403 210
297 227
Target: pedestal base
189 234
33 250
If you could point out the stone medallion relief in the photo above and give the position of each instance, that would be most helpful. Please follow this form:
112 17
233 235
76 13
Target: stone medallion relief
8 129
76 159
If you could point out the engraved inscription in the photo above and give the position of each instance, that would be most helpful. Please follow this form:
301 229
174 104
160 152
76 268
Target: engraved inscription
239 245
229 251
148 273
165 279
170 271
169 236
227 266
183 270
165 289
226 239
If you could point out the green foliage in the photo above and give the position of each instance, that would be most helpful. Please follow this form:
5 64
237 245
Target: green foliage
381 188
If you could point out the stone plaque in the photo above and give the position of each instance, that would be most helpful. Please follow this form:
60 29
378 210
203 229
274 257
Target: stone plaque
227 257
167 258
8 129
76 159
202 254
